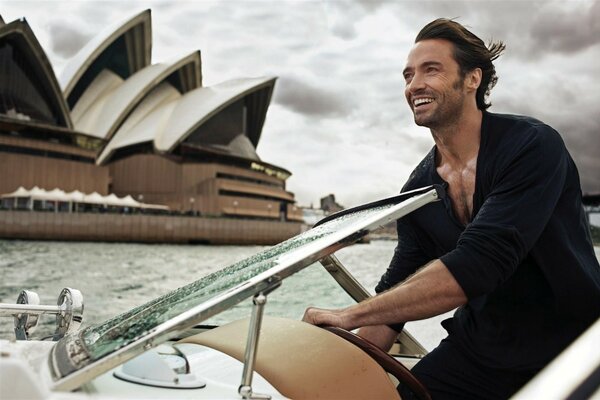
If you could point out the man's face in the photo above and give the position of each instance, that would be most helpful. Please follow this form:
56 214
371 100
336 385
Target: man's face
434 87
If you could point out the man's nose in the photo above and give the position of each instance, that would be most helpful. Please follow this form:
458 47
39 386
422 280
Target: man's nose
416 83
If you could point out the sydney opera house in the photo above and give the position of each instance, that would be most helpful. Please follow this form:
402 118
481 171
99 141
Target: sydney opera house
115 124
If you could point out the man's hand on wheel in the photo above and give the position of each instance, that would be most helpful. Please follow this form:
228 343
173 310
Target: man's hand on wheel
321 316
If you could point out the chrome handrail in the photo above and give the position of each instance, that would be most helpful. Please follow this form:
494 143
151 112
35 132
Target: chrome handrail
16 309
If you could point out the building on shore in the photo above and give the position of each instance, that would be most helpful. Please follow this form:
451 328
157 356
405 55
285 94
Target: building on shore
329 205
116 124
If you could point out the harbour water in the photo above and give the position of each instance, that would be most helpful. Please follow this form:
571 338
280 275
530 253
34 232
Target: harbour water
117 277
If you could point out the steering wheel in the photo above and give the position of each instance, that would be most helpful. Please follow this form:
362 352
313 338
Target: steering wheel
387 362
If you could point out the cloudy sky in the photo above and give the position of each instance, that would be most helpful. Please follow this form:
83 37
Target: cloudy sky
338 120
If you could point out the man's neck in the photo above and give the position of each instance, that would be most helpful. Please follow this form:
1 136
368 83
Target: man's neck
458 143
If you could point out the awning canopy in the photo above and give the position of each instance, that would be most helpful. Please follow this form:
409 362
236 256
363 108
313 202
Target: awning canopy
20 192
76 196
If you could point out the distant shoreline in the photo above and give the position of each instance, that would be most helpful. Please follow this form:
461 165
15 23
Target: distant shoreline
144 228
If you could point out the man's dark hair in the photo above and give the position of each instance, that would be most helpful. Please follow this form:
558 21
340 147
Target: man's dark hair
470 52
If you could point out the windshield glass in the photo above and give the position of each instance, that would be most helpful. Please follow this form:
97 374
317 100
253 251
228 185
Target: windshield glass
155 322
117 332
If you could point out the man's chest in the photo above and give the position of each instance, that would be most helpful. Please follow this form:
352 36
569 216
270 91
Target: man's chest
460 190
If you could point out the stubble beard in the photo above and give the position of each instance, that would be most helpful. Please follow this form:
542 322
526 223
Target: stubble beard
448 113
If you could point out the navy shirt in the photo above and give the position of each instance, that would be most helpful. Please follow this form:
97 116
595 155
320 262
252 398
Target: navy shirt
525 260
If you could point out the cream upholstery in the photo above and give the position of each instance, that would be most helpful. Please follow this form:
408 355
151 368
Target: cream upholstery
304 362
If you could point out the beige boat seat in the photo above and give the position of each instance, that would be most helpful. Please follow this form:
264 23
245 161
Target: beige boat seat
303 361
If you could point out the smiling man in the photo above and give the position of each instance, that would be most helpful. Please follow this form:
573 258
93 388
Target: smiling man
509 246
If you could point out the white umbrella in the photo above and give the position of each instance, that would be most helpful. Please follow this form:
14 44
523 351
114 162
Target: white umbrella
113 200
56 195
129 201
76 196
20 192
94 198
37 194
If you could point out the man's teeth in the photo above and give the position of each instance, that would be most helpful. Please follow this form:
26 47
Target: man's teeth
418 102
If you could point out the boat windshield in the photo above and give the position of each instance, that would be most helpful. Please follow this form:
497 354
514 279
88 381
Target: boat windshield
150 324
114 333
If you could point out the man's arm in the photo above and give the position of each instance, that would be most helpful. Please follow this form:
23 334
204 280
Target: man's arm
429 292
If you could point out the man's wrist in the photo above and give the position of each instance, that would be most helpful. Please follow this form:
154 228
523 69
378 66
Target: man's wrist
348 319
398 327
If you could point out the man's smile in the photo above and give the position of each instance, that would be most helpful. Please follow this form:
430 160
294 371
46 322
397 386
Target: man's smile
422 101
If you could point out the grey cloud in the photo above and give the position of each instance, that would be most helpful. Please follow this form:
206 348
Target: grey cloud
369 5
446 9
265 25
420 146
308 99
414 15
567 32
66 40
342 20
191 21
344 31
531 29
81 22
583 143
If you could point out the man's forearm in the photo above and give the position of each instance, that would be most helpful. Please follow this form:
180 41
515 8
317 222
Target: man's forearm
431 291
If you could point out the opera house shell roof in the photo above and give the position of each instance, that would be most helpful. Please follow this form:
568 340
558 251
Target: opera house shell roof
115 94
29 89
112 103
112 92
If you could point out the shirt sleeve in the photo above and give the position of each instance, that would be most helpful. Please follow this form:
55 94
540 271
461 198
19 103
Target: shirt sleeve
525 190
408 257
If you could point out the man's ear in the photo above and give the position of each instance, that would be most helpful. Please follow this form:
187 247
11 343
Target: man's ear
474 79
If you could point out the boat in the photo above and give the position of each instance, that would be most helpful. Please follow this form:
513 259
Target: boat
167 348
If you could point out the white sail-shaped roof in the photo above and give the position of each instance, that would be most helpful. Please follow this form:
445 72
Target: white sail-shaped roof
146 122
115 100
136 32
97 92
20 35
197 106
169 119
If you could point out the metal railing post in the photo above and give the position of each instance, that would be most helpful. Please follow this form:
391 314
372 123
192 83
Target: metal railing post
245 389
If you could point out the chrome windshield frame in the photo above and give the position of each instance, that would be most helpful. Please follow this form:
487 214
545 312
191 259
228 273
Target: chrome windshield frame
289 263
